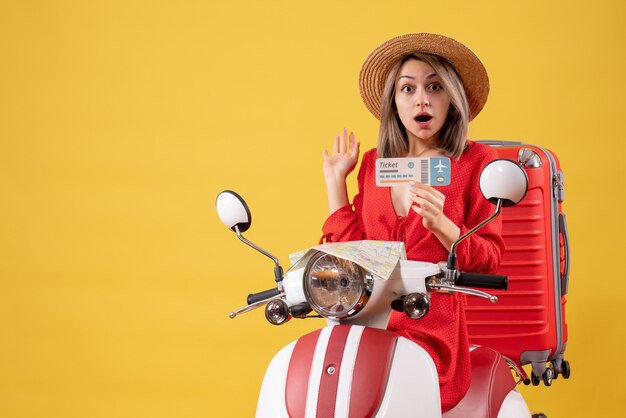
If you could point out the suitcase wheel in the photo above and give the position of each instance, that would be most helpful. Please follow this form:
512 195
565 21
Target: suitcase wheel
563 368
556 368
534 379
546 377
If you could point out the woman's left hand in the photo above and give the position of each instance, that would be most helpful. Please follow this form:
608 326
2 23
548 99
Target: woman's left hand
428 202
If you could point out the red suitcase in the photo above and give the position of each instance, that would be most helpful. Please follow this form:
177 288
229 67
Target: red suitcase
527 324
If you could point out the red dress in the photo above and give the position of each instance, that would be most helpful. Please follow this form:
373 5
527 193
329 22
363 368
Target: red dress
443 331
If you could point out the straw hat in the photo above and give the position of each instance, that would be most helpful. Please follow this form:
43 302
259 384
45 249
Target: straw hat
468 66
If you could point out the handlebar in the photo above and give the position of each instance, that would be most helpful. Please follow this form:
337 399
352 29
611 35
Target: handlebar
266 294
487 281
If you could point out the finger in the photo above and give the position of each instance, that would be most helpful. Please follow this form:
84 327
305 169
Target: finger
351 142
436 192
421 186
325 155
344 141
417 210
418 201
355 151
423 194
336 145
429 209
429 189
436 199
414 186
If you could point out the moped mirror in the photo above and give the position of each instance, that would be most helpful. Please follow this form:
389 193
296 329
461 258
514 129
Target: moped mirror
233 211
503 180
235 214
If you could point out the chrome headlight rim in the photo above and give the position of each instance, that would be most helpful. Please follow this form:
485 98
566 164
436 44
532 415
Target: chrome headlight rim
353 308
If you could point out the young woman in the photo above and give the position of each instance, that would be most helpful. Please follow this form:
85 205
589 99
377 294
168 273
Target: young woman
425 89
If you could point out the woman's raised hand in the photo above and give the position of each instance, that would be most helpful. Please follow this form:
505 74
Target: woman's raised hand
344 158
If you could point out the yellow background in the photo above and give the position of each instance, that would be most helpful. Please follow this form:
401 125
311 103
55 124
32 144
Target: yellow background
120 121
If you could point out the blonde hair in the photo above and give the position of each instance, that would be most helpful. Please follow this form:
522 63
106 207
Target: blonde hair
392 136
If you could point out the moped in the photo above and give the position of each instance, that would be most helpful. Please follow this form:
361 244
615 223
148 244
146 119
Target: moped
353 367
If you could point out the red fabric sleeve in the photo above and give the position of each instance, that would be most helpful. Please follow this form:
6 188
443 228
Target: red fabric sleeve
481 252
345 223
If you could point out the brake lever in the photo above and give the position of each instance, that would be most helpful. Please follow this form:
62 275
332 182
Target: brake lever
253 306
449 288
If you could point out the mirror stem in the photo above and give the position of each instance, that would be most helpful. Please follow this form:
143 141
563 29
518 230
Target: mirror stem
451 273
278 270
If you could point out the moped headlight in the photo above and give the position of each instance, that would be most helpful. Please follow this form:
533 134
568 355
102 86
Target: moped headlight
334 287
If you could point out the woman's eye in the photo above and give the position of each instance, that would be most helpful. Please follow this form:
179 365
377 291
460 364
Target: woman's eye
407 89
436 87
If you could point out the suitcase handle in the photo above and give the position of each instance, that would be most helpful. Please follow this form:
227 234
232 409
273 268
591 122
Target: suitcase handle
566 255
500 143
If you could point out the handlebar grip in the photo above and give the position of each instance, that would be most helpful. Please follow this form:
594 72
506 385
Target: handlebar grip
300 310
488 281
266 294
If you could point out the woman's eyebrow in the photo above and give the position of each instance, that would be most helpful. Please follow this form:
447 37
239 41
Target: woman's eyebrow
429 76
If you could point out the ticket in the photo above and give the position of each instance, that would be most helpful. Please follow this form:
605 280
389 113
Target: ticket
434 171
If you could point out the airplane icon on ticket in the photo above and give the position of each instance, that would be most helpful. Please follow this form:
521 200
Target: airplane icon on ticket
440 166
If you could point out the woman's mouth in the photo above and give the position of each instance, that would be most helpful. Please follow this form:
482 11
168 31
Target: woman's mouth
423 119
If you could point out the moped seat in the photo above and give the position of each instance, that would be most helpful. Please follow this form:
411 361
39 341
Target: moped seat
491 383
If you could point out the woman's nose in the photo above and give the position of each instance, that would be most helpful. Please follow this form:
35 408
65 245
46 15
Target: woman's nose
421 99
